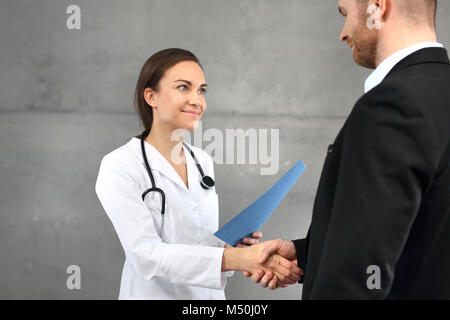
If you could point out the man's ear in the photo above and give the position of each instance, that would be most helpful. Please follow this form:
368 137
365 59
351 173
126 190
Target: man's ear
378 11
384 7
150 98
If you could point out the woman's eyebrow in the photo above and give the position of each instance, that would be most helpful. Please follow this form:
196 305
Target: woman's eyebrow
190 83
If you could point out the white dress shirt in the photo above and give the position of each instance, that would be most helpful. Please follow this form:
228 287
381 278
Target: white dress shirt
174 256
383 69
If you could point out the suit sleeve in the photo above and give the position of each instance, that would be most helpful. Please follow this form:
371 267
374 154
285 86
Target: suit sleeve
301 246
388 158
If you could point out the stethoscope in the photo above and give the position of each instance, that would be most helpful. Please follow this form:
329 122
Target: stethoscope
207 182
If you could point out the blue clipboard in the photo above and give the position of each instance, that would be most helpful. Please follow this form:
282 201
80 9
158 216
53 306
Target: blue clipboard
254 216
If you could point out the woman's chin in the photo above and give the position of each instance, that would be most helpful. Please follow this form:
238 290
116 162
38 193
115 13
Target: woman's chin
191 125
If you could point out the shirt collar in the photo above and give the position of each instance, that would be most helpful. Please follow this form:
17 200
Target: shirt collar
378 75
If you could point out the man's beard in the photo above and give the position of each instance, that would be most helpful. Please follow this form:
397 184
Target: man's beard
365 50
365 43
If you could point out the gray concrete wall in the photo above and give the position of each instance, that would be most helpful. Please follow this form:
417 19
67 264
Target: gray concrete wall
66 100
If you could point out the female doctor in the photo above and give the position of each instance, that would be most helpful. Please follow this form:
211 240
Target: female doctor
159 192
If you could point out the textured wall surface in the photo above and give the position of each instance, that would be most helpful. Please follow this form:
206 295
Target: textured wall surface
66 101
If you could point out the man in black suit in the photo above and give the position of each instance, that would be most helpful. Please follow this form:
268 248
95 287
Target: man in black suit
381 220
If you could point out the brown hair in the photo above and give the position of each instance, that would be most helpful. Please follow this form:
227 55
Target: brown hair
152 71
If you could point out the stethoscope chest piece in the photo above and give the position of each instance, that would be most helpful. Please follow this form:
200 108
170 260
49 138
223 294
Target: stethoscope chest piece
207 182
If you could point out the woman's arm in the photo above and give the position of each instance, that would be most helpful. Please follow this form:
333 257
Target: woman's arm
119 193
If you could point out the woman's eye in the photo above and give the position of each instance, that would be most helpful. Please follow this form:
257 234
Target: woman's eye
202 91
182 88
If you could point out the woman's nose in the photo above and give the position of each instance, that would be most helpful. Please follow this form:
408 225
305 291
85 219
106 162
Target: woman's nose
195 99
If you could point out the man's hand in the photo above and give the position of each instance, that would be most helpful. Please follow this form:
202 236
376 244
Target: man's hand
248 259
285 270
281 247
268 279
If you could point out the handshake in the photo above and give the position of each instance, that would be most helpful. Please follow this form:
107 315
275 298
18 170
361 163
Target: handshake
272 263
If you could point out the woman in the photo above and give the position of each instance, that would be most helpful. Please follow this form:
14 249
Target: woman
157 192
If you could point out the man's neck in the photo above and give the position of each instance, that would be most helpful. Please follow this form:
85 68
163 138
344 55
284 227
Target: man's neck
392 42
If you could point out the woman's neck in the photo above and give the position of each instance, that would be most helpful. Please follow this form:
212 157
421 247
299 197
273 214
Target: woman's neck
169 145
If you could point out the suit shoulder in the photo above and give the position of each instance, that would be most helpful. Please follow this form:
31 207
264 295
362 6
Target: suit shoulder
394 104
420 79
390 96
393 88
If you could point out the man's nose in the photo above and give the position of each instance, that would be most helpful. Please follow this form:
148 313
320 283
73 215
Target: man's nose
343 36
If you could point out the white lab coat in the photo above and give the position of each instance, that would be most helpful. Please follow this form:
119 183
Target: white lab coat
175 256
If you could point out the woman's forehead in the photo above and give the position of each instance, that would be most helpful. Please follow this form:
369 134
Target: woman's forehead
185 70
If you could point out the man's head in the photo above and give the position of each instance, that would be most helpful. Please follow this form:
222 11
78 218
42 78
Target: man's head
367 22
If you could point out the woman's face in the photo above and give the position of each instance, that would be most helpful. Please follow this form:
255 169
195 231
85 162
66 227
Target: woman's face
179 102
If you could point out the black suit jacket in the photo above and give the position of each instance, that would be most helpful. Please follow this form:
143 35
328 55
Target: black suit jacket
384 195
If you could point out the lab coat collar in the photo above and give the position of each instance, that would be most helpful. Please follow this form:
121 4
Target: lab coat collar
157 162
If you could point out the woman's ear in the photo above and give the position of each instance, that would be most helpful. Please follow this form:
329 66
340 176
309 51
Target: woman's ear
149 96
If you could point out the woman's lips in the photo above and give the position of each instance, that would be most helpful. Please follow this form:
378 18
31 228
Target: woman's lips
196 113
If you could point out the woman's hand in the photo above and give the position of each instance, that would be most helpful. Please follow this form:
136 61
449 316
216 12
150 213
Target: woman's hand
250 241
284 270
268 279
249 259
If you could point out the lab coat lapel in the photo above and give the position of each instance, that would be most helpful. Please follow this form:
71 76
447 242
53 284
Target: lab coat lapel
165 168
157 162
192 173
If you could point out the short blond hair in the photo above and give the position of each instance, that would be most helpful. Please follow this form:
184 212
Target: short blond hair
417 11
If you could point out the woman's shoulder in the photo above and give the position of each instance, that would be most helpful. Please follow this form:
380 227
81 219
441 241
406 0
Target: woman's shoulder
119 165
125 154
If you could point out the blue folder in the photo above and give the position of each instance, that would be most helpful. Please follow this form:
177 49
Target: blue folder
254 216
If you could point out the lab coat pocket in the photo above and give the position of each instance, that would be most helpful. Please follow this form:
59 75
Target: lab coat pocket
209 211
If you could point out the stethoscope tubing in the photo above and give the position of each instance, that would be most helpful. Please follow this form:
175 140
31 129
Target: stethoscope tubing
206 183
